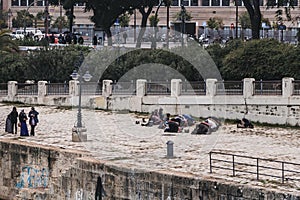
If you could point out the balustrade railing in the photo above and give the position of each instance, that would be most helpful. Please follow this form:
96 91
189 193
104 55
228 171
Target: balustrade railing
27 89
3 89
296 89
91 88
158 88
57 88
124 88
229 88
193 88
267 87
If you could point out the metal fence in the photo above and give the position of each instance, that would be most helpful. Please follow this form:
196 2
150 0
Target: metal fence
3 89
229 88
57 88
91 88
27 89
193 88
124 88
158 88
296 90
267 87
244 165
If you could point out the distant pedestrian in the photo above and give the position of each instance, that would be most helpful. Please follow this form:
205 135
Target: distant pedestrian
33 120
125 37
13 116
95 41
80 40
23 126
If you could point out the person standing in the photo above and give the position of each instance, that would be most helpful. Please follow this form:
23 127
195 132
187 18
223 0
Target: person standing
33 120
14 119
23 119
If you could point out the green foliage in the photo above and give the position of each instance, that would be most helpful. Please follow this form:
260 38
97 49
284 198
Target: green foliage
153 20
124 20
23 17
261 59
244 20
53 65
187 16
215 23
6 42
60 22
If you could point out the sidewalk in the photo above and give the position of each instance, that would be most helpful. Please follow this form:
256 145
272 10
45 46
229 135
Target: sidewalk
116 137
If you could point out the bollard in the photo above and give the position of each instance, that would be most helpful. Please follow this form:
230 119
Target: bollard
170 149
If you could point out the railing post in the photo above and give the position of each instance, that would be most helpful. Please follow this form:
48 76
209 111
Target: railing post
233 170
107 88
73 88
176 87
282 172
211 87
12 89
287 87
257 169
141 87
248 87
210 164
42 88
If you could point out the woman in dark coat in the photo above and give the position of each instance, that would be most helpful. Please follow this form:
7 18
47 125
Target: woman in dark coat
22 119
33 120
14 119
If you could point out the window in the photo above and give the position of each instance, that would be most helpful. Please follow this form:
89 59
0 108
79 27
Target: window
215 2
184 2
15 3
40 3
205 2
175 3
30 3
225 2
23 2
194 2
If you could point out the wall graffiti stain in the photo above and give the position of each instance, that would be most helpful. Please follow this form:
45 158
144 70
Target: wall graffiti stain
33 177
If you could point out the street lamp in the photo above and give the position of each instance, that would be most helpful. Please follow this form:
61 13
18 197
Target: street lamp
183 12
78 129
9 15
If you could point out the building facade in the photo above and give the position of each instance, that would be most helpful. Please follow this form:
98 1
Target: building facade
200 10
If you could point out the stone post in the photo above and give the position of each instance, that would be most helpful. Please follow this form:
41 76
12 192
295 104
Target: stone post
211 87
42 88
248 87
287 87
176 86
141 87
12 89
107 88
73 88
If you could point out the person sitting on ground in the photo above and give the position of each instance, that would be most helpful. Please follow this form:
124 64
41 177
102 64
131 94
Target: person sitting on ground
244 123
164 122
202 128
214 123
189 119
153 119
172 126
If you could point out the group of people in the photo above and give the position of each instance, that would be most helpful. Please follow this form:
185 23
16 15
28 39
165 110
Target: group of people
15 120
168 123
209 125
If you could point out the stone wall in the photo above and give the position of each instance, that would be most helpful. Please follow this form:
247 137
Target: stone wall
38 172
273 109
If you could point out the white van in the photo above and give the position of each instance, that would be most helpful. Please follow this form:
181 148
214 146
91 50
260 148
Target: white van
33 31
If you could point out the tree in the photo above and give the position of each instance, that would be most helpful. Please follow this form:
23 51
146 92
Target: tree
6 42
60 23
23 18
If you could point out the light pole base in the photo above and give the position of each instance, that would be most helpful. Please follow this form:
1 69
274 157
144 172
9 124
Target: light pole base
78 134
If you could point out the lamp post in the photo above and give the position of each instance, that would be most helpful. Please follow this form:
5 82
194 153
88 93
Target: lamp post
236 18
183 11
78 129
9 15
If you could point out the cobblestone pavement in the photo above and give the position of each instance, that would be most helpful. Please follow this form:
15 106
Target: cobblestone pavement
116 137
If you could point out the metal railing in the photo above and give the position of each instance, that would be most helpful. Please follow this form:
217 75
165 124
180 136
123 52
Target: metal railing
242 165
267 87
124 88
229 88
296 89
3 89
91 88
158 88
57 88
27 89
193 88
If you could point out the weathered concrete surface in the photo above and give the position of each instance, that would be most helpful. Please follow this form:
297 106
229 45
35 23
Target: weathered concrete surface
131 160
